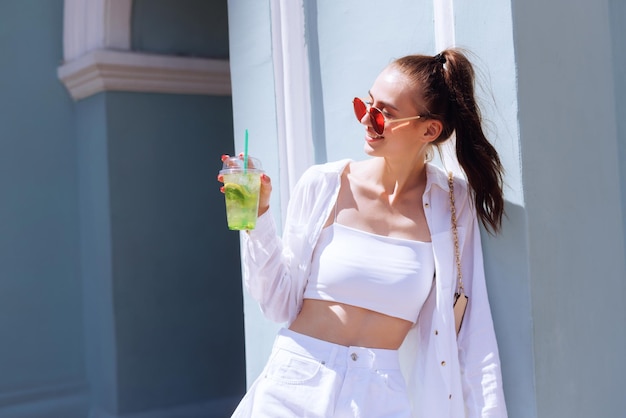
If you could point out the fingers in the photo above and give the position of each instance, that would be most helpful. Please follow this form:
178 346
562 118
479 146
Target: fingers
266 182
220 177
264 195
266 189
228 161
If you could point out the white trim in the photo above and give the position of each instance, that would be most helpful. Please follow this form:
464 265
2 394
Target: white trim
443 11
445 37
95 24
293 94
106 70
96 44
117 24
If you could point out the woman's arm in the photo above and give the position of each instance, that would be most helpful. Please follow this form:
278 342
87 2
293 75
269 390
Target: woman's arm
266 269
276 270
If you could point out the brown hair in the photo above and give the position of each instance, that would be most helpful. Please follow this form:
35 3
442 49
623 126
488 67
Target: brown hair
446 84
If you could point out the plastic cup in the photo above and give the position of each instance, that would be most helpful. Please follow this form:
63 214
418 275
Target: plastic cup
241 192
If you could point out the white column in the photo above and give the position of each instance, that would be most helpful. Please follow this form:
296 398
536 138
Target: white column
444 24
293 97
445 38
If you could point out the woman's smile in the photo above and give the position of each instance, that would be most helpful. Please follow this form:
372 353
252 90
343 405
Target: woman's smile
372 137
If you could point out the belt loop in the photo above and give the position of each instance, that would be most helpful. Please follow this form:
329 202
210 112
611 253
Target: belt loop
373 359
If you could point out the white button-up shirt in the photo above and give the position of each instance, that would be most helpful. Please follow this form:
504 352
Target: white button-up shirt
447 377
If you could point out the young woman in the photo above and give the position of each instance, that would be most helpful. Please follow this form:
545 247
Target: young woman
365 273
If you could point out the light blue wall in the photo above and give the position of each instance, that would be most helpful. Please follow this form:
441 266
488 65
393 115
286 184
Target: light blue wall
188 28
41 348
487 32
95 244
617 13
120 287
172 253
571 177
165 291
163 299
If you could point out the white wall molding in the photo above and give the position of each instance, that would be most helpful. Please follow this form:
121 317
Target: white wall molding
445 37
95 24
107 70
293 93
97 57
445 33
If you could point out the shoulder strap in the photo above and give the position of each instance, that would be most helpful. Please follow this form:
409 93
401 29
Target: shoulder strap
455 235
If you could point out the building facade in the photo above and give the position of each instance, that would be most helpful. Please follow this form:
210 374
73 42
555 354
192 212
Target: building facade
120 287
120 292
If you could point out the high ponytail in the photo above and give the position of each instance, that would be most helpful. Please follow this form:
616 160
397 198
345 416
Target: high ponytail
446 83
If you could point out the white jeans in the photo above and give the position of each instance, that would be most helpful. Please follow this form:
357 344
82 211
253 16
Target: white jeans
306 377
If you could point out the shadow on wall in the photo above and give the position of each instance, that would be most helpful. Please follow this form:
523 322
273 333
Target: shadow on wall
508 283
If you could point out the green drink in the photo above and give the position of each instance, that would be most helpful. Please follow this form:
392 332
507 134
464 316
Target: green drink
241 194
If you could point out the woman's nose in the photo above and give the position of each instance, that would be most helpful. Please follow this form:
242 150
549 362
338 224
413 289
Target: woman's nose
365 120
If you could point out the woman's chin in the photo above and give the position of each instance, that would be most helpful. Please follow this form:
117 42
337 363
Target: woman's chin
372 146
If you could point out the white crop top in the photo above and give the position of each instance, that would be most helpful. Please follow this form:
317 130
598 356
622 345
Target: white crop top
389 275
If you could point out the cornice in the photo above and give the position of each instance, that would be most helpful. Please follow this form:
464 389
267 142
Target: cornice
97 57
107 70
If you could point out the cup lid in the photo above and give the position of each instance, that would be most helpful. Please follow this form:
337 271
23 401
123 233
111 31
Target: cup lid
235 163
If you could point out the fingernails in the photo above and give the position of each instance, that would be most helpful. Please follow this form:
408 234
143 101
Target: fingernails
222 189
241 154
224 157
220 178
264 177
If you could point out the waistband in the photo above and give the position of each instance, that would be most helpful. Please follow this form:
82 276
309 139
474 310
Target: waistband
332 354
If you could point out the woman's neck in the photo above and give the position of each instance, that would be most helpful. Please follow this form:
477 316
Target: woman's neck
399 177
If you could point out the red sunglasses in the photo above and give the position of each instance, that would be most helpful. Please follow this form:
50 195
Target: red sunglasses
376 115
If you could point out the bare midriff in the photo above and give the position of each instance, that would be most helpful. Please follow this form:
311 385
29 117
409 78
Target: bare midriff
349 325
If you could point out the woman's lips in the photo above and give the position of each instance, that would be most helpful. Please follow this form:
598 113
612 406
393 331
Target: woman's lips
373 136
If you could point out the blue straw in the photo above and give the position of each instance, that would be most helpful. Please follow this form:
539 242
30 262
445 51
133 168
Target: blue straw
245 153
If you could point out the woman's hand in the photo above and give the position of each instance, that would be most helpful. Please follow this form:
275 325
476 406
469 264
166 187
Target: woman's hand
266 187
264 196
